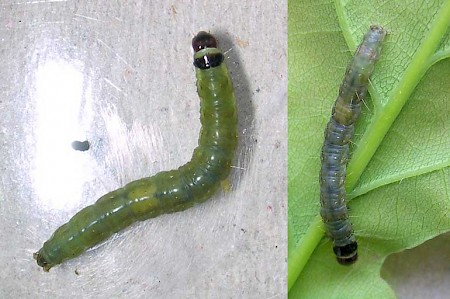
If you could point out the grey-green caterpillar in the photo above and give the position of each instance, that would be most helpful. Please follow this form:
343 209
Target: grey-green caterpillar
168 191
335 150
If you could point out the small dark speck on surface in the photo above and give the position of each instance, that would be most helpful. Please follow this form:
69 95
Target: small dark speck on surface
80 145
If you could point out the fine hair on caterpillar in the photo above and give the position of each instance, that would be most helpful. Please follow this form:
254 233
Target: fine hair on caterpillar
167 191
338 134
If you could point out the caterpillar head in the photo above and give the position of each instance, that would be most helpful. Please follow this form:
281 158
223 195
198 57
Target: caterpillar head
203 40
206 53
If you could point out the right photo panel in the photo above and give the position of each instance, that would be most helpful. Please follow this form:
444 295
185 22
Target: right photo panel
369 149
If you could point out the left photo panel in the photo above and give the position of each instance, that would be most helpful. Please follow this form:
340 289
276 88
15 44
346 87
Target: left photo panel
144 149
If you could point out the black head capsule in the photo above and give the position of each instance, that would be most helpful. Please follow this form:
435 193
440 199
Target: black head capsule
346 255
211 56
203 40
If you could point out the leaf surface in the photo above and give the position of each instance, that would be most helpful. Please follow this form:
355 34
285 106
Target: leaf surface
399 173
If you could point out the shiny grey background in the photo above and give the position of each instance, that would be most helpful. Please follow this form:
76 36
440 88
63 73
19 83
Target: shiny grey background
119 74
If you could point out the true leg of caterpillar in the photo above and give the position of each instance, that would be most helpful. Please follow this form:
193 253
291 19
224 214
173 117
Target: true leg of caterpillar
225 185
335 150
361 99
168 191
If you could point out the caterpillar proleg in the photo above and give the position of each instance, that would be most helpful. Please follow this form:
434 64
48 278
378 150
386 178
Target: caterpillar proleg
335 150
168 191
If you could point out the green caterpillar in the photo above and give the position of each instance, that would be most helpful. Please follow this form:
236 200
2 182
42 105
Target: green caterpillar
335 150
168 191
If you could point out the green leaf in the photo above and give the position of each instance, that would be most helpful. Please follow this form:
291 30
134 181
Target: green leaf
399 173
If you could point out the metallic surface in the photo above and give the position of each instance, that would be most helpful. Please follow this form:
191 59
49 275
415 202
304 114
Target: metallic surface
120 75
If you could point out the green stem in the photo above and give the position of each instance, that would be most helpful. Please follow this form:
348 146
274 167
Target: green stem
299 256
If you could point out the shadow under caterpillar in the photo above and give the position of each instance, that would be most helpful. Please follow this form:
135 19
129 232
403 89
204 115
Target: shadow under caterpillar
335 150
167 191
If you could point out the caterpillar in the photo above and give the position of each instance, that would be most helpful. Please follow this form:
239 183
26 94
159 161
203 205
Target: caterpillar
335 150
167 191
